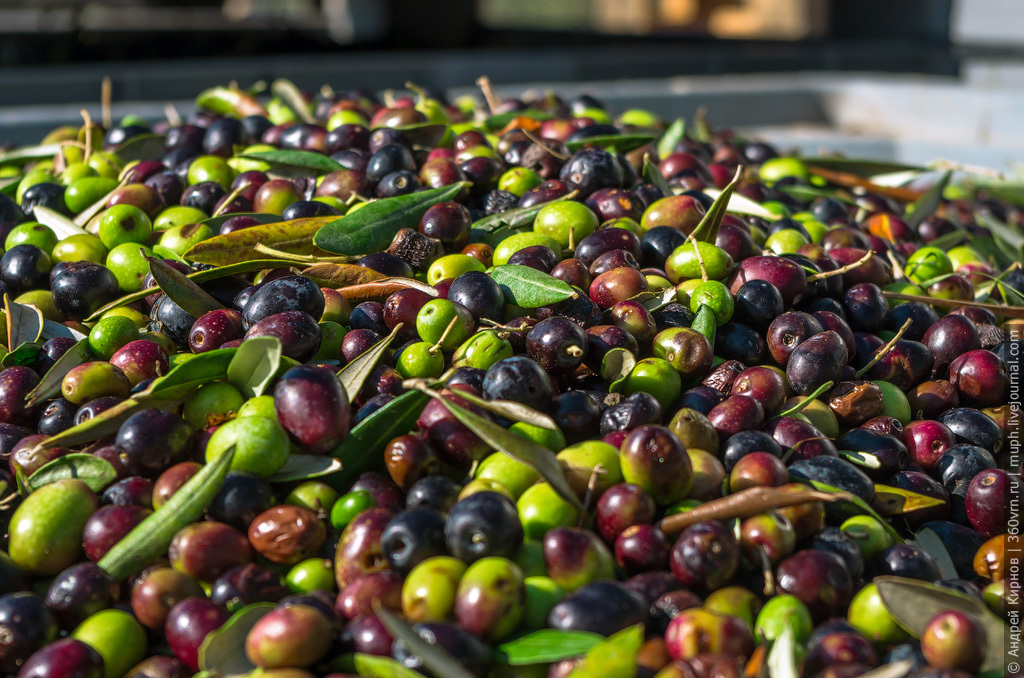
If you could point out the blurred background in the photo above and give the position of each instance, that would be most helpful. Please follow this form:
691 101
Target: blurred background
908 80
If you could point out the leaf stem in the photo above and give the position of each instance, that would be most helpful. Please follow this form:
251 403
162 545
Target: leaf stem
884 350
839 271
493 101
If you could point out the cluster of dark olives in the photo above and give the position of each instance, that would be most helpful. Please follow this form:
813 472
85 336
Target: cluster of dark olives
536 393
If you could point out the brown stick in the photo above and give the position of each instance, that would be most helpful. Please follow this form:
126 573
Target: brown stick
747 503
381 289
493 100
998 309
851 180
839 271
105 97
884 350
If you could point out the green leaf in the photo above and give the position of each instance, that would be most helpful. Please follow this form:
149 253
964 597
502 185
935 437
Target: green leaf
861 459
9 185
1011 237
57 222
653 176
192 298
894 501
425 134
811 192
53 329
539 458
193 373
293 237
295 163
26 354
515 218
354 374
616 365
142 147
913 603
372 666
675 133
741 204
103 424
198 276
292 97
702 130
24 323
861 167
704 322
614 657
529 288
50 384
24 154
547 645
361 449
149 540
223 650
341 275
500 120
372 228
95 472
930 543
707 229
305 467
216 222
856 501
434 657
511 410
929 202
86 215
254 365
621 143
782 661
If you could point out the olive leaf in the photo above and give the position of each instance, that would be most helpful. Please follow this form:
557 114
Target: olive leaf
675 133
361 449
434 657
142 147
230 101
305 467
372 228
511 410
24 323
185 377
616 365
859 503
618 143
292 97
704 322
341 275
539 458
547 645
223 649
913 603
9 185
893 501
26 153
515 218
198 276
812 192
741 204
293 237
425 134
782 661
354 375
373 666
216 222
859 166
707 229
26 354
57 222
291 163
891 670
86 215
192 298
613 657
653 176
149 539
254 365
95 472
103 424
929 202
929 542
50 384
527 287
861 459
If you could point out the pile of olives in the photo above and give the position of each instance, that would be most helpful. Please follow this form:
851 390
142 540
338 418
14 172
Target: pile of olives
236 447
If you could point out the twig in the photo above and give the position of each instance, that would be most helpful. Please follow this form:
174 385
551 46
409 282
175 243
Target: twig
88 134
492 99
105 97
172 115
884 350
839 271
